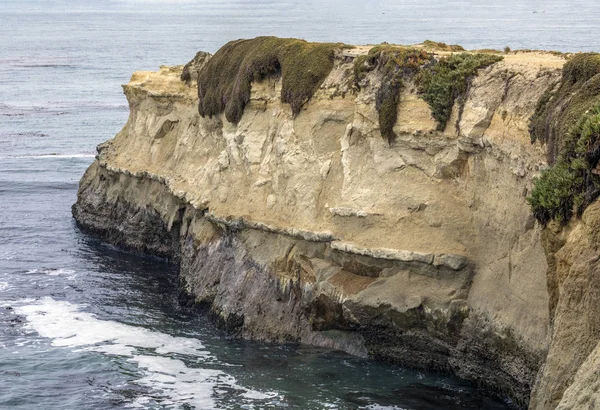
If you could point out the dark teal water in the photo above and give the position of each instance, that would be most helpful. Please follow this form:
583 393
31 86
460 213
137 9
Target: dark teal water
86 326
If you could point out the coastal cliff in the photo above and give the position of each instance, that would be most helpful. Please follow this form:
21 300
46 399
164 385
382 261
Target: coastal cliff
313 219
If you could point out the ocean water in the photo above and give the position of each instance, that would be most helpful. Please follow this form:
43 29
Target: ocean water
84 325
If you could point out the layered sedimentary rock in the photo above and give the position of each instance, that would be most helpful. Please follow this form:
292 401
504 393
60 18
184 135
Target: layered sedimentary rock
313 228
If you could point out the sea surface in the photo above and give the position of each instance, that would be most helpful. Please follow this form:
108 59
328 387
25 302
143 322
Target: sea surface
84 325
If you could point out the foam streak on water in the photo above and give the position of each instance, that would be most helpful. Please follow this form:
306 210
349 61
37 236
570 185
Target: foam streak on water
169 379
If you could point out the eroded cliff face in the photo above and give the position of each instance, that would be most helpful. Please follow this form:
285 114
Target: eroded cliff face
570 377
314 229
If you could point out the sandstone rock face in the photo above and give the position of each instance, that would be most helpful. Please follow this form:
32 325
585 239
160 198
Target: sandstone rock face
315 229
574 355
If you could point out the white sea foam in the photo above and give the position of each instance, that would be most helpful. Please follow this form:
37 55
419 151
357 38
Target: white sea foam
69 273
58 272
169 378
257 395
178 382
68 326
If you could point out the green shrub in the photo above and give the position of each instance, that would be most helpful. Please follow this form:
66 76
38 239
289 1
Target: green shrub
436 45
487 51
440 82
224 83
581 67
571 184
448 80
552 196
394 63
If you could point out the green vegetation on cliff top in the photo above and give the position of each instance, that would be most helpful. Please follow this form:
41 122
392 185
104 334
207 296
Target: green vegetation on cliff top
439 46
448 80
440 81
394 63
224 83
567 120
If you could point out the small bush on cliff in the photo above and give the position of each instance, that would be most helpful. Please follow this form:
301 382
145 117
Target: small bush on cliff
552 195
448 80
567 120
440 81
224 83
439 46
487 51
573 182
394 63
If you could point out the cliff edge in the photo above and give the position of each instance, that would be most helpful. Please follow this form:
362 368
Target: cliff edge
313 218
